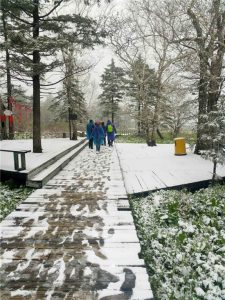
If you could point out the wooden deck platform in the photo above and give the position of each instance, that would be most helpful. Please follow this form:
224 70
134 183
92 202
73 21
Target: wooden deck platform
146 169
40 167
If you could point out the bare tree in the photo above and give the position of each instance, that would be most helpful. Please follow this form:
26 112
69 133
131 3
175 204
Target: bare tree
145 32
152 27
197 27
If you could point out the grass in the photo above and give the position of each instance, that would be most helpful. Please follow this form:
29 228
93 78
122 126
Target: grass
183 242
10 196
190 138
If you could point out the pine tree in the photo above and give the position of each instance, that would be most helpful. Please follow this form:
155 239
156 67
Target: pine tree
35 43
142 89
113 89
70 105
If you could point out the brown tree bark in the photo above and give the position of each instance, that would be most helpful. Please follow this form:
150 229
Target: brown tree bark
36 84
8 75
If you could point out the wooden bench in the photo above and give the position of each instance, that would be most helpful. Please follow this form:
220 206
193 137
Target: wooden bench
16 155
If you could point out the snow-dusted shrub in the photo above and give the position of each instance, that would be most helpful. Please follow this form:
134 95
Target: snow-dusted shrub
183 242
10 196
214 137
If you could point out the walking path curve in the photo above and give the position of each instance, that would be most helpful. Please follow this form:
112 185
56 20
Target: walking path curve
68 240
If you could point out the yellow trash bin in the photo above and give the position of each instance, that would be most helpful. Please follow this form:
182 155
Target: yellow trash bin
180 148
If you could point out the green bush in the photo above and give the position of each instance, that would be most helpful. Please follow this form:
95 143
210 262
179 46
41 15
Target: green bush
10 196
183 242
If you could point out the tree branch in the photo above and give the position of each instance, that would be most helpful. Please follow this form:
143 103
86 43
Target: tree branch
54 8
21 20
66 76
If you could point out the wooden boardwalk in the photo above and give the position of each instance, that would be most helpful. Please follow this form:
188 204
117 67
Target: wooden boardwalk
51 148
147 169
72 240
40 167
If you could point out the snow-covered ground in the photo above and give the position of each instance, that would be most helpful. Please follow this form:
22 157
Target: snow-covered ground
50 148
147 168
68 240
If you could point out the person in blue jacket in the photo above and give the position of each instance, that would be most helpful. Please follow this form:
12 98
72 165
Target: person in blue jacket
98 135
111 131
89 129
104 128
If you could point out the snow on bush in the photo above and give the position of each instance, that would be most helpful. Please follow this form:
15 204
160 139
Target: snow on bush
10 196
183 242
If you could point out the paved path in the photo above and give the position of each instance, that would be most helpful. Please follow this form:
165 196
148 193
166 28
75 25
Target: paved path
70 241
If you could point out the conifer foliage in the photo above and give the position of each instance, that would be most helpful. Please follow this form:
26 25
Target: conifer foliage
112 83
38 31
142 93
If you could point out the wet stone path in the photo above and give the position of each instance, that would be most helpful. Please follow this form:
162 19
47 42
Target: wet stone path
70 240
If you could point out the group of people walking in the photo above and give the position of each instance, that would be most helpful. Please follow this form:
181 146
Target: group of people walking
97 132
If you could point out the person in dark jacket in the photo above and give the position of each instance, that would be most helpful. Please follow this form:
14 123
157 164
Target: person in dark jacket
98 135
104 128
110 131
89 129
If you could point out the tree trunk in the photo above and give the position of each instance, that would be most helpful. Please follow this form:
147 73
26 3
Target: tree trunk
202 106
156 113
214 171
8 74
9 94
112 113
217 59
36 84
139 118
3 132
74 129
69 119
215 81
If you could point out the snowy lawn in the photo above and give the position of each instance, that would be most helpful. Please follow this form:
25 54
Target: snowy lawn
182 235
10 196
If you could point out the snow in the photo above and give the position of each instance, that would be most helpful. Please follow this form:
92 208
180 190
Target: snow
7 256
73 272
87 271
59 268
21 292
9 232
147 168
50 148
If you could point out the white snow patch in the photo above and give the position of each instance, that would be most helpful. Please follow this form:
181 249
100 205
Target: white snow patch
113 288
72 273
59 266
156 199
14 231
72 236
199 291
7 256
84 242
21 292
42 227
49 294
23 265
83 212
59 281
55 230
41 268
58 206
87 271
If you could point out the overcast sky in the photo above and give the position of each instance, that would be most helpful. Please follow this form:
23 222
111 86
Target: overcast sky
101 56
